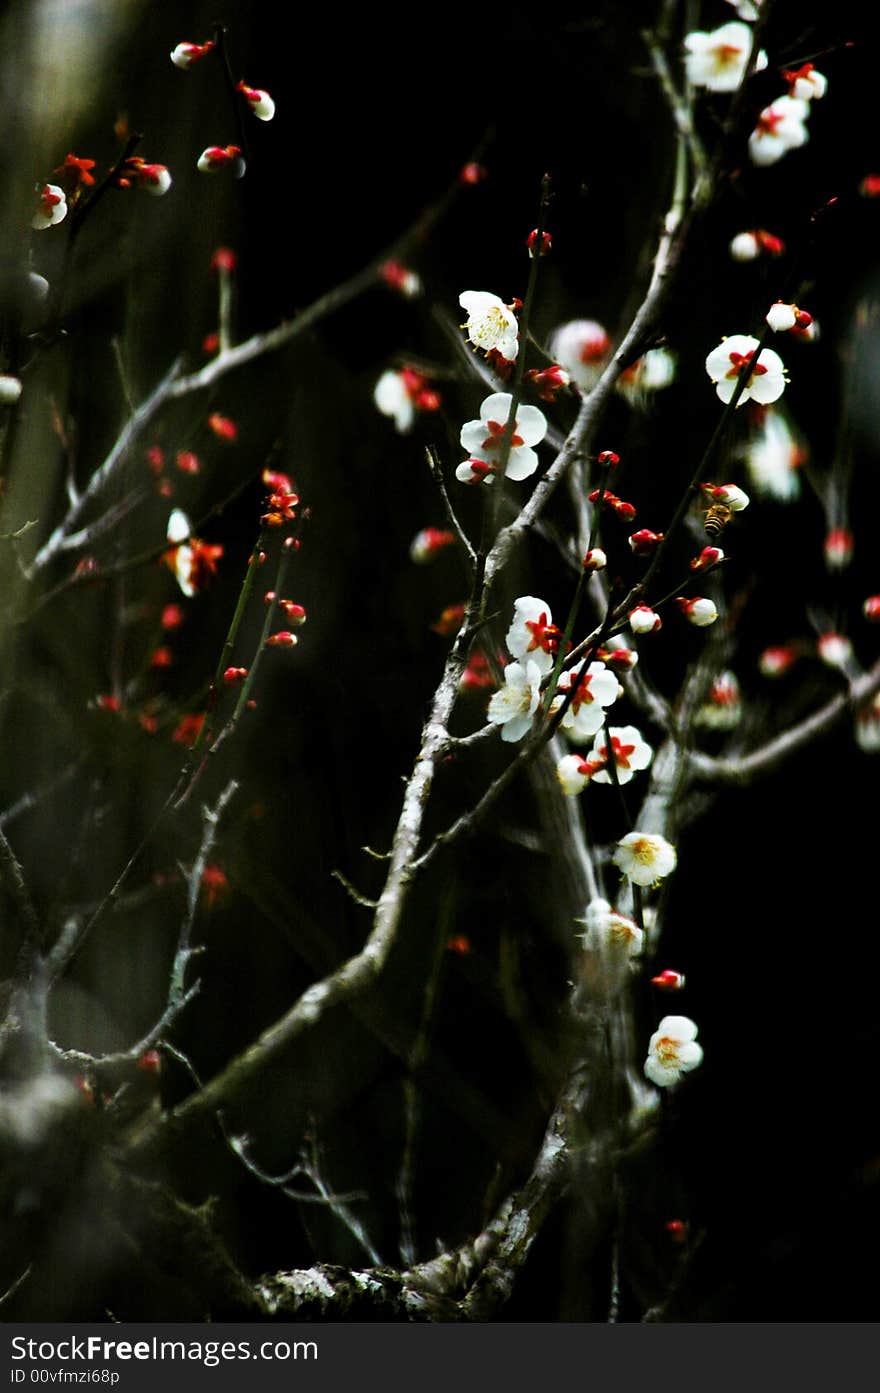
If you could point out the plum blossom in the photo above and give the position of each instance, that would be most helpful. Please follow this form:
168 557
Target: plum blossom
806 84
582 347
718 60
645 857
484 439
185 54
192 561
838 548
574 773
644 620
764 383
672 1051
596 689
772 457
780 128
400 393
723 709
746 9
533 637
835 650
259 101
513 705
606 929
782 317
630 752
429 543
698 611
10 389
746 246
776 660
51 209
654 371
490 324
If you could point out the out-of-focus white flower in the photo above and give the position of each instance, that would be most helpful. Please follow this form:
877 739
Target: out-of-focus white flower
772 457
765 381
645 857
652 372
723 709
838 548
867 726
672 1051
484 439
698 610
10 389
718 60
596 690
513 705
746 246
533 637
51 209
644 620
429 543
835 650
780 128
871 609
775 661
806 84
607 930
581 347
400 393
746 9
630 753
490 324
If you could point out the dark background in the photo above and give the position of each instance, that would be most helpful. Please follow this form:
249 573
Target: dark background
771 1152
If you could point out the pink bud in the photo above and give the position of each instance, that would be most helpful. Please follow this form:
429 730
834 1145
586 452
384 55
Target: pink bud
224 259
234 675
429 543
773 662
709 556
871 609
217 157
644 541
668 981
608 459
532 242
283 639
870 186
621 658
472 173
222 426
838 548
398 278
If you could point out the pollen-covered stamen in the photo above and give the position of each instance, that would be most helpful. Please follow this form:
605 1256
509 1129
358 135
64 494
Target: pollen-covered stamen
739 361
486 330
666 1049
495 438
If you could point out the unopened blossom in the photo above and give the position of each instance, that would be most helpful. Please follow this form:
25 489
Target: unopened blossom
782 317
871 609
645 857
222 426
765 371
746 246
532 636
594 691
668 980
185 54
582 347
513 705
622 658
548 382
723 708
672 1051
746 9
154 179
731 495
698 611
607 930
532 243
652 372
870 186
400 393
217 157
595 560
472 173
51 207
806 83
574 772
644 542
644 620
401 278
718 60
490 324
10 389
450 621
776 660
835 650
485 439
477 675
76 171
429 543
772 457
629 751
780 128
708 557
625 511
260 103
838 548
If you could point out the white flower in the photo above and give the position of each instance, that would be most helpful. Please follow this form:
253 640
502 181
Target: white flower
744 247
736 498
533 637
835 650
807 84
581 347
652 372
597 688
780 128
645 857
10 389
746 9
781 317
718 60
514 705
574 773
52 208
644 620
672 1051
484 439
179 527
699 611
631 754
606 929
259 101
766 381
490 324
392 397
772 457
